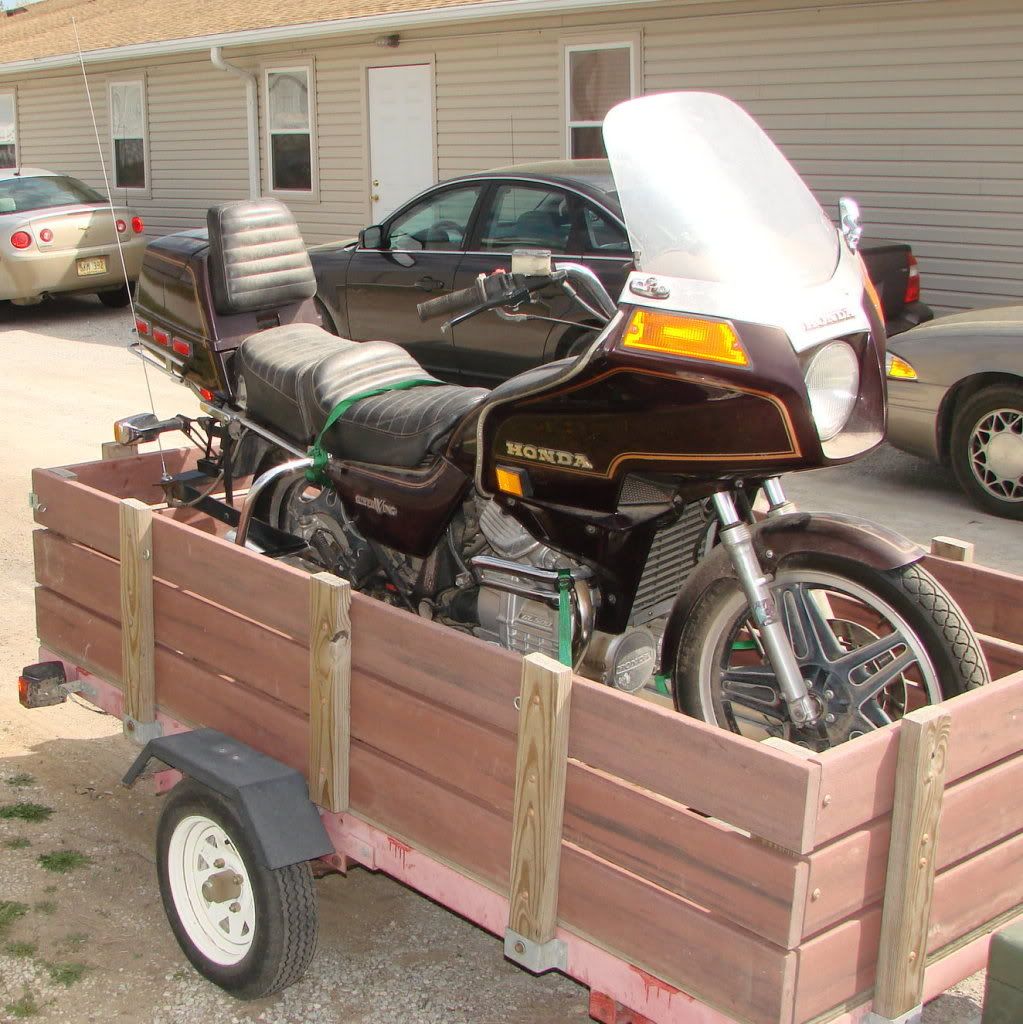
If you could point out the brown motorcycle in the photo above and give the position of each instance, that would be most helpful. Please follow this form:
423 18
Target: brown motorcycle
599 508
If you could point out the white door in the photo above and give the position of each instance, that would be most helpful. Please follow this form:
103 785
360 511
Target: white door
400 135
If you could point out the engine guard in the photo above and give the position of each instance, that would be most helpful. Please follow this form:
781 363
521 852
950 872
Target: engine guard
782 538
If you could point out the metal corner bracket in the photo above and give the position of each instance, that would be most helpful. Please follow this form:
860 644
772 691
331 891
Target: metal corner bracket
536 957
141 732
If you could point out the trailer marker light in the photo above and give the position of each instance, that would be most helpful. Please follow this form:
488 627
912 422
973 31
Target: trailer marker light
182 348
712 341
161 337
142 326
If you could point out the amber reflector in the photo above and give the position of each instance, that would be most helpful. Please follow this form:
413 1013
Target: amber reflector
686 336
510 481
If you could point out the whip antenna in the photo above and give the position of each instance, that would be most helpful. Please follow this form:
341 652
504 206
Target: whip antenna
117 234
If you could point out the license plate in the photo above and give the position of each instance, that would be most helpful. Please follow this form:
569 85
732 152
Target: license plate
95 265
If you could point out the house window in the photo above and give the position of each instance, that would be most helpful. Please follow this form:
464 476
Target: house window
597 77
8 130
128 133
289 129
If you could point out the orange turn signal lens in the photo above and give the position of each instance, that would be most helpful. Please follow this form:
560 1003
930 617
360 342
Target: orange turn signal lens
510 481
687 336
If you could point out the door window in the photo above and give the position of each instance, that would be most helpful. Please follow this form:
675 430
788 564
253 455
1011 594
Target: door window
440 222
523 217
603 236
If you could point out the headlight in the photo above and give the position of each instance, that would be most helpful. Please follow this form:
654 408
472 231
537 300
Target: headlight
897 368
833 385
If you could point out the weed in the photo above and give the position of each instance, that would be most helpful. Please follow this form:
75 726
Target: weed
50 889
63 861
48 907
75 939
22 949
26 1006
16 843
25 812
22 779
10 911
67 974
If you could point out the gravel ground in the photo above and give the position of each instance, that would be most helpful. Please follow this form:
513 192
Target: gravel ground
385 954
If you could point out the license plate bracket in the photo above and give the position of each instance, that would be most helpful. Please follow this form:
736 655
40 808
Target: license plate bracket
91 265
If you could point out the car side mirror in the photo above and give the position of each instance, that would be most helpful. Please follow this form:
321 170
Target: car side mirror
371 237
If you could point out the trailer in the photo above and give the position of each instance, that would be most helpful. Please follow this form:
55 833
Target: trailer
683 874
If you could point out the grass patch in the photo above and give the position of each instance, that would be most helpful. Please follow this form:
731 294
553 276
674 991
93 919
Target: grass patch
74 939
10 911
48 907
26 1006
63 861
16 843
22 949
67 974
49 889
22 779
25 811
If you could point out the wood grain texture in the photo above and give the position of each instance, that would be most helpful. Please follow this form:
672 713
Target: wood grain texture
330 690
952 549
138 671
135 475
541 765
991 599
1003 656
909 885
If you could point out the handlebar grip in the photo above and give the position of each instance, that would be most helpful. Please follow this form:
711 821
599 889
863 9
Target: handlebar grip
449 303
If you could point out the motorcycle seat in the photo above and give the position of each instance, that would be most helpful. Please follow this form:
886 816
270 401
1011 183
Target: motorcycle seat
295 375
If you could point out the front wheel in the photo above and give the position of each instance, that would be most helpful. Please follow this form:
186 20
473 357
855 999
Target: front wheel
871 645
247 928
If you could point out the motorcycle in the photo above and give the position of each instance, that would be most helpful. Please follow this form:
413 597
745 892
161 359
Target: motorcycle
601 508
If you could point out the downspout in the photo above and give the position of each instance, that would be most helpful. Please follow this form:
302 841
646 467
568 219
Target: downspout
252 112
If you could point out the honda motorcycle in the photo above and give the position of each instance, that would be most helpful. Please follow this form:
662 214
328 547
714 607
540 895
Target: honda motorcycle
621 510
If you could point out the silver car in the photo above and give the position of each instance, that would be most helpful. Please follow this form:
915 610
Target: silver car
59 235
955 395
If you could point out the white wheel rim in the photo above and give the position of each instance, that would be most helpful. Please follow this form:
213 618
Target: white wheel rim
996 454
199 849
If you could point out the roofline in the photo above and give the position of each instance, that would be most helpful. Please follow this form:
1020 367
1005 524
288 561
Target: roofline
286 33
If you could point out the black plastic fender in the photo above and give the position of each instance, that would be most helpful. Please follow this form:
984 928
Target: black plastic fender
272 799
782 538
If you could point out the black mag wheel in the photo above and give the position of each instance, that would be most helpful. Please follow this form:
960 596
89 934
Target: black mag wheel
987 450
873 646
245 927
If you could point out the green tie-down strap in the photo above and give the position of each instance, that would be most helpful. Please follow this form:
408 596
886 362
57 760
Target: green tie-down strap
565 617
319 454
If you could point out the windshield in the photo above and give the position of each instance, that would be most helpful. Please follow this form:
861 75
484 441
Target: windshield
707 196
19 195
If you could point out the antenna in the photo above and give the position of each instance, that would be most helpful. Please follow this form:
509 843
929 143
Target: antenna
117 234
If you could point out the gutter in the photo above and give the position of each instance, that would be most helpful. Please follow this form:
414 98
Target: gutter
252 115
383 23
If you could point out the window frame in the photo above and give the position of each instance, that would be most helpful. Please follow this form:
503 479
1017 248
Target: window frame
13 94
311 194
140 81
582 46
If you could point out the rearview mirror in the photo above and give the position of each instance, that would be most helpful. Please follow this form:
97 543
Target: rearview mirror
849 221
371 237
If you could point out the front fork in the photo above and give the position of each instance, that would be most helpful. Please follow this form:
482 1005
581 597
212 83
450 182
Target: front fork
756 584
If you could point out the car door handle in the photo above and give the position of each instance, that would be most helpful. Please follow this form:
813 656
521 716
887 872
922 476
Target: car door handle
429 284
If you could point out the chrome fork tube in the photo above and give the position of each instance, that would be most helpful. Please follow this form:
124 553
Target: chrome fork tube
738 540
260 484
778 504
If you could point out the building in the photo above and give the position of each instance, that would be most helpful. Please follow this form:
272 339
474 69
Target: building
344 108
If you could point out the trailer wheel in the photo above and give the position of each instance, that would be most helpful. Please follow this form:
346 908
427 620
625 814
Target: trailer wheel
247 928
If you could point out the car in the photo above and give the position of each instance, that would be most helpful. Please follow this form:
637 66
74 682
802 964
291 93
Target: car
955 396
441 239
59 235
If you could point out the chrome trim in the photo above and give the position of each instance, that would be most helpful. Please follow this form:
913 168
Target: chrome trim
229 416
259 485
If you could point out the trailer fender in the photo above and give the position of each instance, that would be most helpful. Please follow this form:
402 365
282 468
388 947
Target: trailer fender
272 799
779 539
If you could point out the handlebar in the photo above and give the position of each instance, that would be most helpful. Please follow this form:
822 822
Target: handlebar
488 292
450 303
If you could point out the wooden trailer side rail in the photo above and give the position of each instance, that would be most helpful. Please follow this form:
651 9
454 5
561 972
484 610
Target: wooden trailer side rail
757 888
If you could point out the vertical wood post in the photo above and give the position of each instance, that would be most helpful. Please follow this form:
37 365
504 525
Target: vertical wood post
909 886
138 672
330 690
953 549
540 772
116 450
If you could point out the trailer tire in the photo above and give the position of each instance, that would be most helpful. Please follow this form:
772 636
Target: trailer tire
248 928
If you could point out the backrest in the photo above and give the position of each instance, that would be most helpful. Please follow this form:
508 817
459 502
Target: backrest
257 258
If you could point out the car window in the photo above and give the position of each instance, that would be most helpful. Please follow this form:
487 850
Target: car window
18 195
525 217
603 235
437 222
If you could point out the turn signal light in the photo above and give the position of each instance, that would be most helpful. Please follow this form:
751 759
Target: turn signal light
690 337
137 225
912 282
182 348
898 369
21 239
511 481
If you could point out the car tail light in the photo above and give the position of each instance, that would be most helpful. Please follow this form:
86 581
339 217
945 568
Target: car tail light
121 227
161 337
46 235
142 326
138 225
21 239
182 348
912 282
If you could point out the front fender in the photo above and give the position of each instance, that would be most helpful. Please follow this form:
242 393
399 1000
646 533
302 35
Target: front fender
781 538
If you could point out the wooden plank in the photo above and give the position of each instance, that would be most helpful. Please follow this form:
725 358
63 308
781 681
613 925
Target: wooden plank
1003 656
114 450
768 792
909 888
135 475
137 635
991 599
668 938
330 690
540 767
952 549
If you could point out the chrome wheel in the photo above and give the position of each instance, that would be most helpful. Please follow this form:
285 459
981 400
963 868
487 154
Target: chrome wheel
996 453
